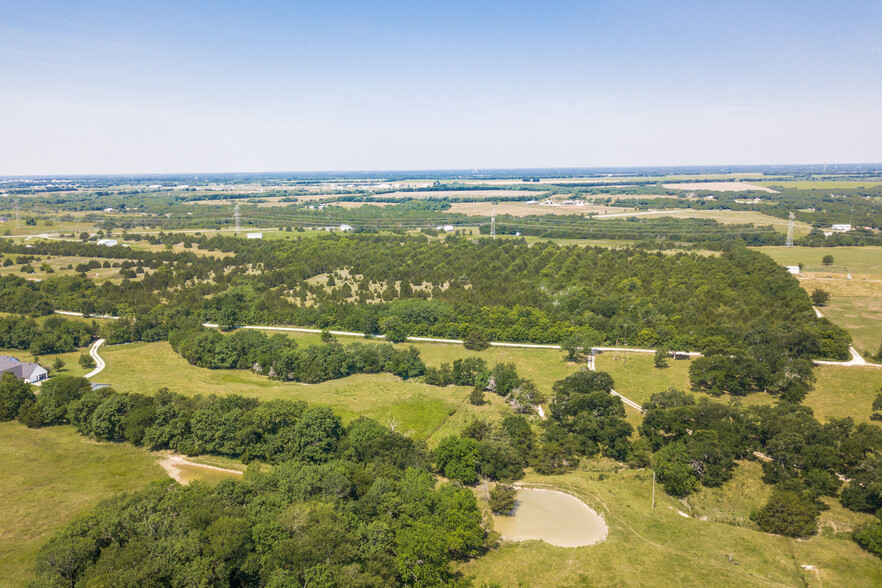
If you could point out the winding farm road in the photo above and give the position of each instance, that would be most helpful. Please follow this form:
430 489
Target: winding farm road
856 359
99 363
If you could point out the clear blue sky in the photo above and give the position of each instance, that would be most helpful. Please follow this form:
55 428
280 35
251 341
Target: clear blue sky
124 87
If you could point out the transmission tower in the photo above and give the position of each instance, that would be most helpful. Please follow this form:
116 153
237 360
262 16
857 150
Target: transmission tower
236 217
493 224
790 232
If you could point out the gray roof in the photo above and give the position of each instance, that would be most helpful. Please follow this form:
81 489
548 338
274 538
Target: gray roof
19 369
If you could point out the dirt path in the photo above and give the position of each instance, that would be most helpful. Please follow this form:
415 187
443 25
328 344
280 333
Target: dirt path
99 363
171 464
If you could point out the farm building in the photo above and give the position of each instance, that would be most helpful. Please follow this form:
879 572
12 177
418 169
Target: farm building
841 228
108 242
793 269
254 235
346 228
23 370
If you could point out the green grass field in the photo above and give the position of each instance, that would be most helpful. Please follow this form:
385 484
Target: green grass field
865 260
637 379
413 408
862 316
52 475
856 304
661 547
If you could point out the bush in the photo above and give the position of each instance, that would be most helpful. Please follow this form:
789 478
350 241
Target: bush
457 458
870 538
13 394
476 397
788 512
476 340
820 297
503 499
86 361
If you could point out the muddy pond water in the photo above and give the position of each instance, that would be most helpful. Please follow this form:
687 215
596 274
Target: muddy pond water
554 517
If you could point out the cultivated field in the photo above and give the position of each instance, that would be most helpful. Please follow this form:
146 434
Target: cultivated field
719 187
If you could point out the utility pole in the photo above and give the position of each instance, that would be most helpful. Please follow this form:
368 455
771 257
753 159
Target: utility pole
653 489
493 223
790 232
236 217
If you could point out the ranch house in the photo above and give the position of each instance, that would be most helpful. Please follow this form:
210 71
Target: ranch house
23 370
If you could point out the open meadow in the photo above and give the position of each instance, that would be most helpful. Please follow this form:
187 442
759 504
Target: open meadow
854 282
666 546
50 477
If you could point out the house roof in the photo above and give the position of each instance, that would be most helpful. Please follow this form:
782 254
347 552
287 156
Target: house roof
19 369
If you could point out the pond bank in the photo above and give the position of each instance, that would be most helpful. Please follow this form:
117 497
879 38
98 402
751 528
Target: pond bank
552 516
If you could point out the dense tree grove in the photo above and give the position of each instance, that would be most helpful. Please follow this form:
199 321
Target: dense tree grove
697 443
504 289
53 335
279 357
342 506
649 231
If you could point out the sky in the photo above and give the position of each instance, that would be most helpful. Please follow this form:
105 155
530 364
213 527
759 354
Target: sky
92 87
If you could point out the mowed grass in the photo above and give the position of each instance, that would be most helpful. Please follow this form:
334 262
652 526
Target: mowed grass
660 547
855 304
746 217
636 377
51 476
844 392
419 410
865 260
862 316
413 408
839 392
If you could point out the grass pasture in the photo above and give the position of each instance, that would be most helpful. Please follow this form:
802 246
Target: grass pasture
864 260
414 408
660 547
862 316
52 475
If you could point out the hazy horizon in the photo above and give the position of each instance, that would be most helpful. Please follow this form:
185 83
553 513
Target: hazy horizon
166 88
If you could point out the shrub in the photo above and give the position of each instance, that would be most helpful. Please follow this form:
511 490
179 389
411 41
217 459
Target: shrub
503 499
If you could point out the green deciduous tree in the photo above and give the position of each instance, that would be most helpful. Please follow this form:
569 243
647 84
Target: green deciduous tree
503 499
820 297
